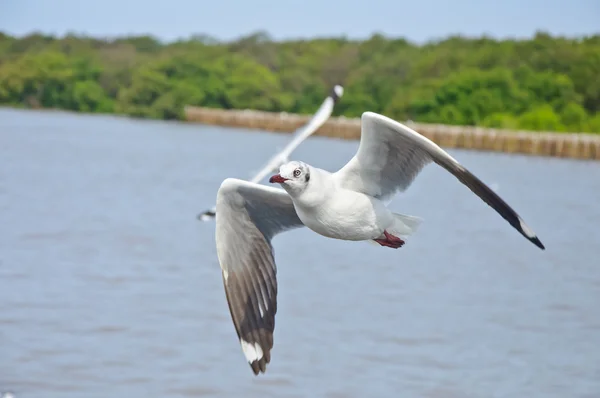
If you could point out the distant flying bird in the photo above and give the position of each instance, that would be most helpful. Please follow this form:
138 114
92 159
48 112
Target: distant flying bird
350 204
320 117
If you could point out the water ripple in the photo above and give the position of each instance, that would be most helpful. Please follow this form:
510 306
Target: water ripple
111 287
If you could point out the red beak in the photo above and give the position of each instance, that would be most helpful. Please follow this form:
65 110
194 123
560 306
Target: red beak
277 178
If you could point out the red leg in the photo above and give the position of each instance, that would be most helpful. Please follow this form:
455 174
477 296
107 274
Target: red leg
390 241
384 242
393 238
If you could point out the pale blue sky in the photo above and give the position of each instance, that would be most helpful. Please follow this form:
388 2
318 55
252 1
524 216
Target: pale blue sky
227 19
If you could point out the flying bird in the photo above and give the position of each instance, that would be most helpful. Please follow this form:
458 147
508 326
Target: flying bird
350 204
320 117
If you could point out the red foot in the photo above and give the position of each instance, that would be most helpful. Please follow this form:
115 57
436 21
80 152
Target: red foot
390 241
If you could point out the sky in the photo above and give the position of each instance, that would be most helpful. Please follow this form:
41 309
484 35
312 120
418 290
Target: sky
418 21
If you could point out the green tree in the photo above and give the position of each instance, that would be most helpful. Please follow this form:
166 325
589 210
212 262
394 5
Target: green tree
88 96
543 83
574 117
541 118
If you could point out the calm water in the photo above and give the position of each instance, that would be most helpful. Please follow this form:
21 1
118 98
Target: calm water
109 286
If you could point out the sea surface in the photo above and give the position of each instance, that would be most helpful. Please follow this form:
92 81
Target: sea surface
110 286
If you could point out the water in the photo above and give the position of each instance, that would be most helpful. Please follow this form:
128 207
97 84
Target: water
109 286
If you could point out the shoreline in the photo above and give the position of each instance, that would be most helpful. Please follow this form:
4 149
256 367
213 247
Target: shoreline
583 146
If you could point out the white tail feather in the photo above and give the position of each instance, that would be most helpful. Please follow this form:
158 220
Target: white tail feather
404 225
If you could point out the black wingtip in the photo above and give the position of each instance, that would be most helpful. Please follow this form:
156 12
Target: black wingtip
527 232
259 366
537 242
208 213
336 92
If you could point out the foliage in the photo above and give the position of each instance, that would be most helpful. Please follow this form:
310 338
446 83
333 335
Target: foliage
543 83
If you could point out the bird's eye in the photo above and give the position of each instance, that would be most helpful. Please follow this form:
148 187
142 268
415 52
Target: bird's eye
297 172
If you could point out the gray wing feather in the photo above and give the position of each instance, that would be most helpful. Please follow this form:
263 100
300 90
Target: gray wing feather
386 162
391 155
248 216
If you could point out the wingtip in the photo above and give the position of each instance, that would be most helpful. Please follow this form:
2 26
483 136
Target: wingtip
206 216
256 357
529 234
537 242
337 92
258 366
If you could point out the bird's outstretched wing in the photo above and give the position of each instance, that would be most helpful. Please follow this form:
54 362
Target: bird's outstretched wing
248 216
320 117
391 155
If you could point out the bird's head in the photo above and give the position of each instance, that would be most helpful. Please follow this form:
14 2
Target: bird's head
293 177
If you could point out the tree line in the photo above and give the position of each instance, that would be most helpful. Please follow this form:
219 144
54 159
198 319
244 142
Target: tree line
542 83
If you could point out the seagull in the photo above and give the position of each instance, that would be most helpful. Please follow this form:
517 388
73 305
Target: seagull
320 117
350 204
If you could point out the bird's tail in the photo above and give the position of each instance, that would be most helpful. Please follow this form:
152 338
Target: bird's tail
404 225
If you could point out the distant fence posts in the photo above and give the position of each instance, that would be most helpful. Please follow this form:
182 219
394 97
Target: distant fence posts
566 145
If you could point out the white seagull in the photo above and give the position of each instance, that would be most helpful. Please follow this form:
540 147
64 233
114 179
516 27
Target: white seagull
349 204
320 117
